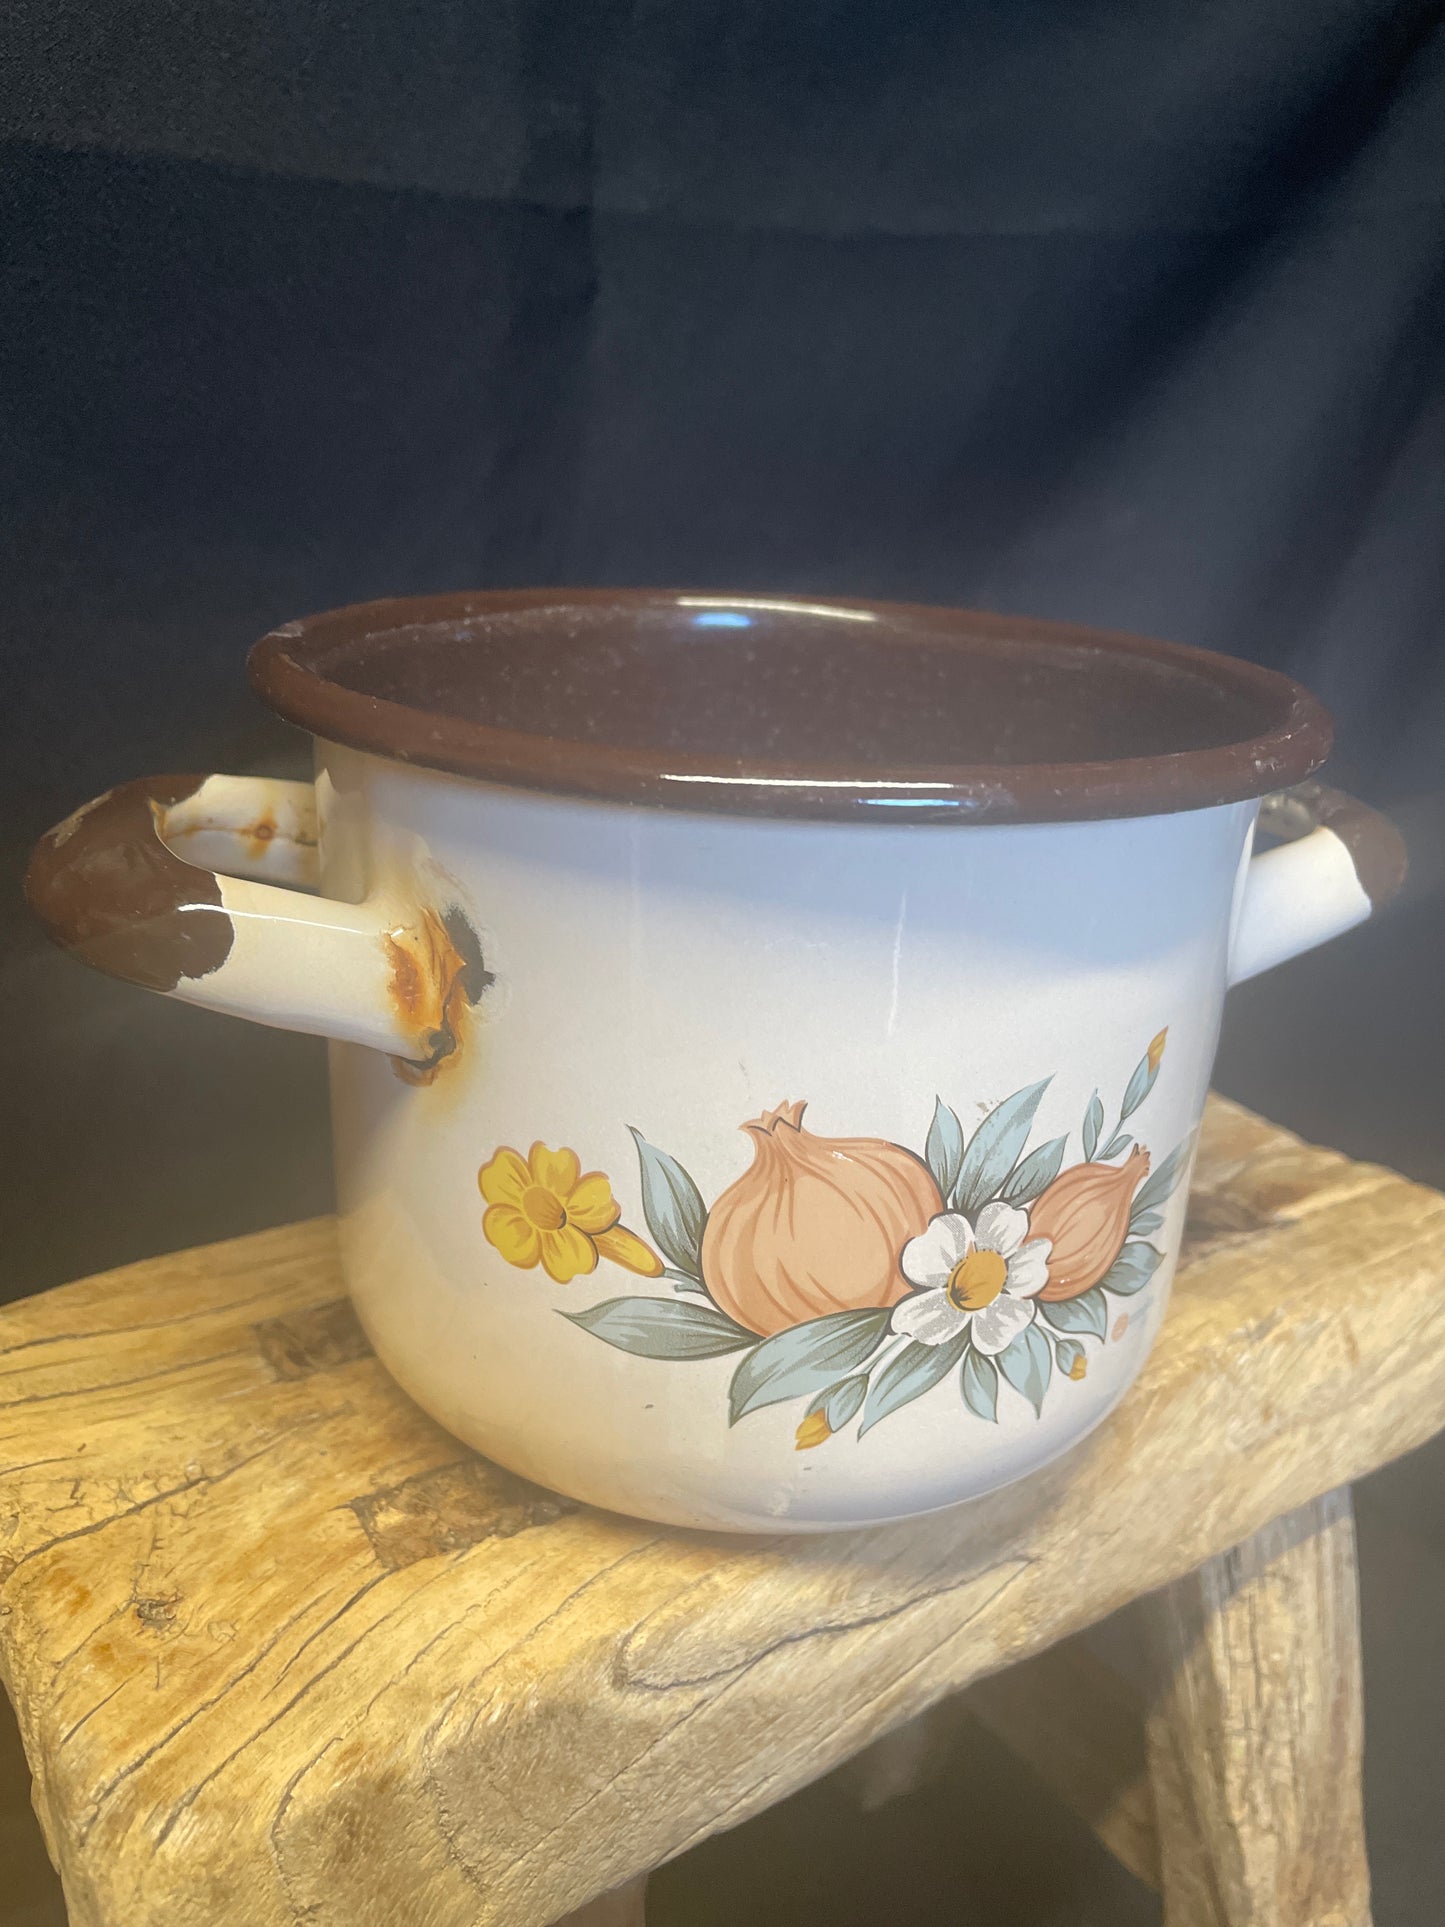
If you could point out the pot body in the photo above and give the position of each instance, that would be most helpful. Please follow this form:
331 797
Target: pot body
669 976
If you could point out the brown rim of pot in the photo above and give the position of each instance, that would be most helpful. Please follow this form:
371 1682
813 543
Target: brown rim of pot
299 671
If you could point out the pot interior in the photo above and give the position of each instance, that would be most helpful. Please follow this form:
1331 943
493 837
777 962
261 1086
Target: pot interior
778 693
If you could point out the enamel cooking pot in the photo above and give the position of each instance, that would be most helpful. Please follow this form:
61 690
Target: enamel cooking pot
768 1037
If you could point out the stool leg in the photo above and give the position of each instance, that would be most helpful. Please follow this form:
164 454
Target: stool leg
623 1907
1255 1730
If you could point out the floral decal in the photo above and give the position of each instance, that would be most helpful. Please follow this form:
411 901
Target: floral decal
542 1209
855 1274
978 1282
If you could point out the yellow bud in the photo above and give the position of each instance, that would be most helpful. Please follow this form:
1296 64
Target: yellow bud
814 1430
1079 1366
1156 1049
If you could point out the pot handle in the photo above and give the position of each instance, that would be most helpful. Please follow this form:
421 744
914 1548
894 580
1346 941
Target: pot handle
1340 862
109 886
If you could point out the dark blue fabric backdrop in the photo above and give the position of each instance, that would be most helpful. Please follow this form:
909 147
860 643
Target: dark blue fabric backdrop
1128 313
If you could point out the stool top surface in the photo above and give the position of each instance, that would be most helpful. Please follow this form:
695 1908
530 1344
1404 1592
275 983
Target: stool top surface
282 1650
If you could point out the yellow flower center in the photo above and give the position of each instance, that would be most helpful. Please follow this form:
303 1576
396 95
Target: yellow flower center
977 1281
543 1209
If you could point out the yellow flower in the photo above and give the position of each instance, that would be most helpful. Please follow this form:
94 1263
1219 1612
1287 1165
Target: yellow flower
814 1430
1156 1050
543 1209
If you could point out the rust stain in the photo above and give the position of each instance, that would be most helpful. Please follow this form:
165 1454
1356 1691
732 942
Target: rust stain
317 1339
437 974
260 835
408 979
451 1508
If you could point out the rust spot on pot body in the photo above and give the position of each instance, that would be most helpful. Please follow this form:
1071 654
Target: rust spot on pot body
437 973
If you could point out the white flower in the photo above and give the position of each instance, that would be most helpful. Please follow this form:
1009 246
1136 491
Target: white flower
981 1279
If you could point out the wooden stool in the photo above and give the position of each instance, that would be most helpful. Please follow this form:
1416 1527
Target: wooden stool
282 1651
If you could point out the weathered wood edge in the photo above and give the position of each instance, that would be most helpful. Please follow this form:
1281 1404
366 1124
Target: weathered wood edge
1255 1730
1232 1752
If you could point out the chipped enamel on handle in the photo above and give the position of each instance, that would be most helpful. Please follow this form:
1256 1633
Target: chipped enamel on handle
132 884
1340 863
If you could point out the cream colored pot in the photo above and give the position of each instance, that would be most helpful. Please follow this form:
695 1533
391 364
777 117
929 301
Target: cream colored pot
768 1038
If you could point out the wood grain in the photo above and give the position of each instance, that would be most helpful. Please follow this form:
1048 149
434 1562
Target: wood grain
283 1652
1256 1727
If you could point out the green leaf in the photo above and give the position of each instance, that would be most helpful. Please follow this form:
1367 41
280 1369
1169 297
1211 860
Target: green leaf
1087 1313
1143 1222
1131 1270
673 1207
994 1149
663 1328
1036 1173
1027 1364
908 1375
978 1382
839 1403
943 1152
802 1360
1093 1124
1140 1085
1070 1351
1156 1189
1120 1141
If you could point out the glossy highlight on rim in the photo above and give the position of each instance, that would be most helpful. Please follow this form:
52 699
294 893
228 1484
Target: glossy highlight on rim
800 707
